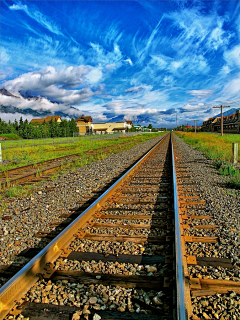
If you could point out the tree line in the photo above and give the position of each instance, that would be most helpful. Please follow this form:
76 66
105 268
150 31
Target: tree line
27 130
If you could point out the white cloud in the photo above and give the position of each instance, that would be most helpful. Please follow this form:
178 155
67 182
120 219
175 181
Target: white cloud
36 15
231 90
94 76
12 116
193 108
104 58
160 60
6 72
200 29
110 67
55 84
232 57
176 64
40 105
225 70
217 37
4 56
204 93
129 61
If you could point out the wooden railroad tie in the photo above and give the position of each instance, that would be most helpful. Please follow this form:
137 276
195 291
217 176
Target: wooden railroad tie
203 226
201 239
121 258
209 261
205 287
146 282
135 239
192 217
129 226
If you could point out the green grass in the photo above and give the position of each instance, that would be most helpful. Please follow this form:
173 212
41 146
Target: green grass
214 146
218 148
22 157
19 156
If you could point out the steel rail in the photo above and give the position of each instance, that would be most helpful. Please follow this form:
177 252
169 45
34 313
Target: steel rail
180 280
18 285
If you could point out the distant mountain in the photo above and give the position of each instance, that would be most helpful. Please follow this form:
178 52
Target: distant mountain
35 113
27 95
7 93
28 111
143 119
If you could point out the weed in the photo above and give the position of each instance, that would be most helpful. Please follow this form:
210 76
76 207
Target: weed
235 182
54 177
228 170
38 172
3 207
218 164
18 191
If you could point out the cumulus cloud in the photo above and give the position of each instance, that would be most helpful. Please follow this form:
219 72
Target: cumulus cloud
55 84
12 116
40 105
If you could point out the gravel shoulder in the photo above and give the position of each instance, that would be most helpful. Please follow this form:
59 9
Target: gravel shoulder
223 204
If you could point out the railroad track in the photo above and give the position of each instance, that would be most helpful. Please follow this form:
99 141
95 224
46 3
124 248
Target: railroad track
124 257
40 171
206 289
32 172
129 230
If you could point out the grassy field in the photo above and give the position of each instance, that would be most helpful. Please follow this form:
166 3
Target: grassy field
17 142
214 146
218 148
19 157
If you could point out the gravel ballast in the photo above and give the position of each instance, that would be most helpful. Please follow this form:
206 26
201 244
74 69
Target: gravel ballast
23 217
223 204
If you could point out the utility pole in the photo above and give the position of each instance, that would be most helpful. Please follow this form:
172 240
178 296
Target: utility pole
195 125
176 121
221 107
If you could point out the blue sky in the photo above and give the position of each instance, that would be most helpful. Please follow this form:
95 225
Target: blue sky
144 61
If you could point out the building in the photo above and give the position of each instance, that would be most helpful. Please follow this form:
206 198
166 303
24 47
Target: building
231 123
86 126
47 119
138 128
110 127
129 124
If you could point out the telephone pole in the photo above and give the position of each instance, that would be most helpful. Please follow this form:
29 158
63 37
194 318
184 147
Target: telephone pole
221 107
176 121
195 125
